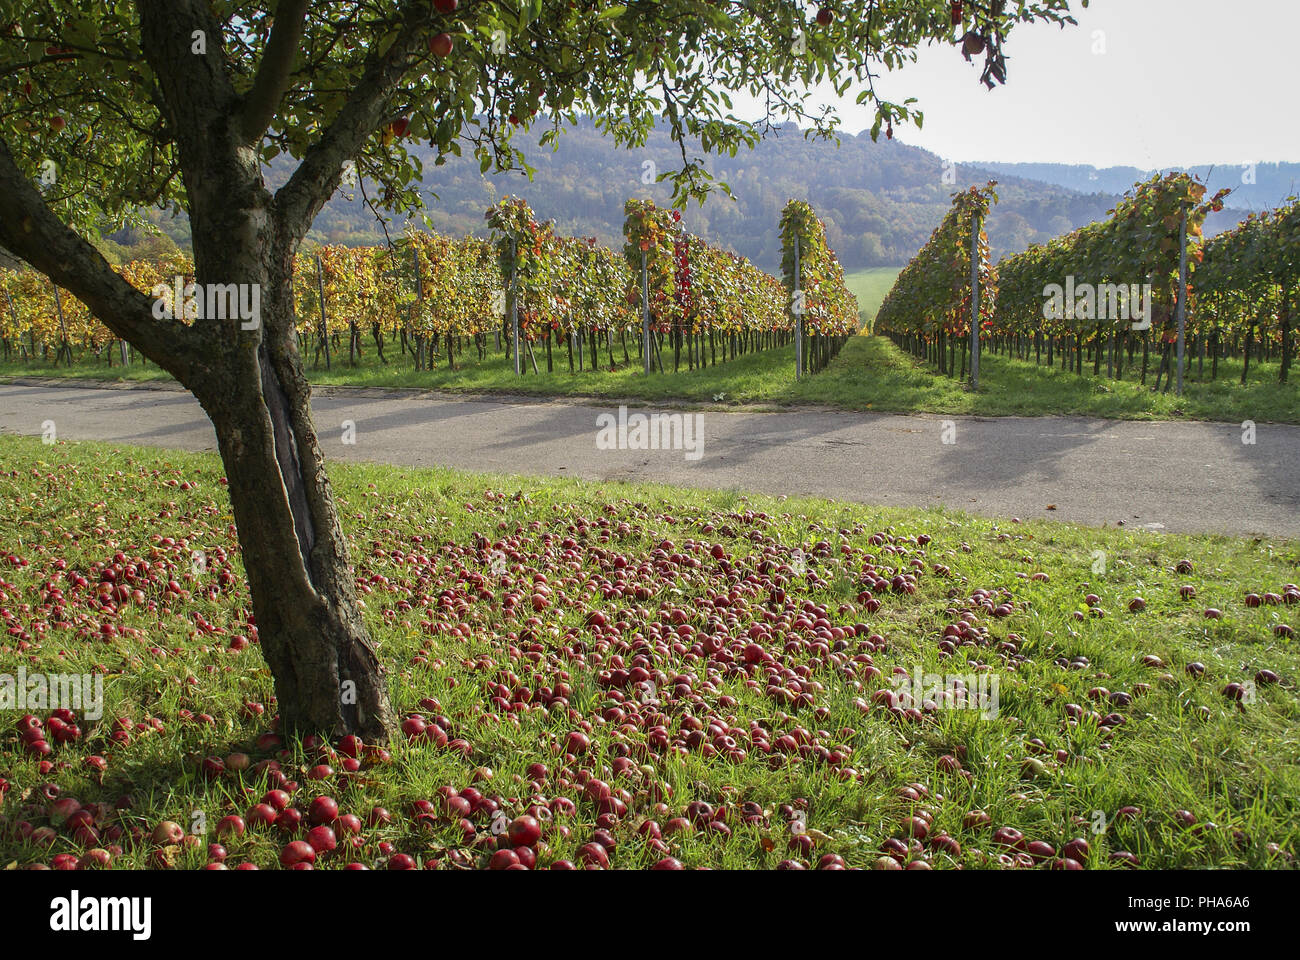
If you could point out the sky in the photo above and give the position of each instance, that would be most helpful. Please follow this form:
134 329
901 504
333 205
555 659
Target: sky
1144 83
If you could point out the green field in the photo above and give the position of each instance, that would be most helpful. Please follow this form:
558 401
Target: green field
870 286
773 720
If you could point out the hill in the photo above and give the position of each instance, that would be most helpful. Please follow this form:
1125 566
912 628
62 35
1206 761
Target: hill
880 200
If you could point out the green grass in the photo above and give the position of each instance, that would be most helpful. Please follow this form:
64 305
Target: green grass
1183 746
763 377
86 368
869 374
871 286
873 373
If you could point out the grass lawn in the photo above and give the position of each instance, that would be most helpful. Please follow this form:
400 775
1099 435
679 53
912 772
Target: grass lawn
879 375
869 374
760 695
871 286
764 377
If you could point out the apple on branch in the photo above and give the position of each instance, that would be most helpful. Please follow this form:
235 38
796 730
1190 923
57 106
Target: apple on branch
441 44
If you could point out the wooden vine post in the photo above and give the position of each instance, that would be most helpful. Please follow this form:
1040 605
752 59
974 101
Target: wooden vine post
645 314
1182 296
975 300
797 305
324 327
419 296
514 303
66 349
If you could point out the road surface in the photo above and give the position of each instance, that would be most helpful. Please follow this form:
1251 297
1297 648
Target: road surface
1170 476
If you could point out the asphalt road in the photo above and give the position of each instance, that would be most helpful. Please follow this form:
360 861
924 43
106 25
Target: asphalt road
1172 476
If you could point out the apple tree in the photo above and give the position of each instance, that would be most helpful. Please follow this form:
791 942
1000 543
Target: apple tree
112 107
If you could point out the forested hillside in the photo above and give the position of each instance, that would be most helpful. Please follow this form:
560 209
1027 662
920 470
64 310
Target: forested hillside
880 201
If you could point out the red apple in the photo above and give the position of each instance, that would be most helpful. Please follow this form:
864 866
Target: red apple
322 839
168 832
524 831
262 814
503 859
323 810
593 854
441 45
296 852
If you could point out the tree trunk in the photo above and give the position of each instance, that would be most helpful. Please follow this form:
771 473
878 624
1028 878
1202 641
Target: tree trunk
328 677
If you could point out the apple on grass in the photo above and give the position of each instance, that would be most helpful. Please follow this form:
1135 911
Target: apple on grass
297 852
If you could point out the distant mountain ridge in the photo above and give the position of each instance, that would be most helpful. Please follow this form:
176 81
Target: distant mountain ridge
1273 182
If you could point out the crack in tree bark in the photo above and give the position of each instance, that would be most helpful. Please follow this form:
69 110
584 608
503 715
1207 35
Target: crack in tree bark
286 455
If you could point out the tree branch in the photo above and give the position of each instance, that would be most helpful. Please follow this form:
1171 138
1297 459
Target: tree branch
196 95
30 229
272 80
299 200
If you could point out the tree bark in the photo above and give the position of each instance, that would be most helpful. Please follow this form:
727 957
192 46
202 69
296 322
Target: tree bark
328 677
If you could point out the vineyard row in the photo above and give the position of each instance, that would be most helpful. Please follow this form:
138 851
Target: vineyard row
436 296
1144 278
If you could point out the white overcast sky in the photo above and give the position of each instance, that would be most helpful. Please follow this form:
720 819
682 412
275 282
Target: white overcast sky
1180 82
